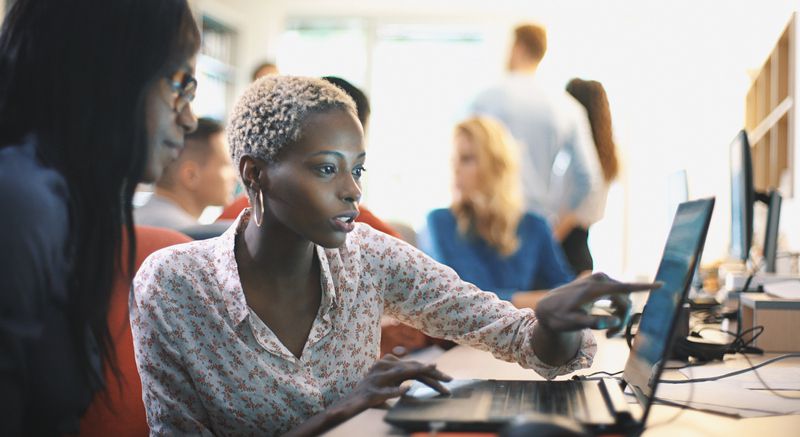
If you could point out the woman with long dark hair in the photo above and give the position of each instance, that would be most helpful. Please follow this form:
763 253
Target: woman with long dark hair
94 98
573 231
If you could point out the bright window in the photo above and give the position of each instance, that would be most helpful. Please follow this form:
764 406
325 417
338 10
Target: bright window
401 68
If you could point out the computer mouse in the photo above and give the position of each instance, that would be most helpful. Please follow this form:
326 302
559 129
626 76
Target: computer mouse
543 425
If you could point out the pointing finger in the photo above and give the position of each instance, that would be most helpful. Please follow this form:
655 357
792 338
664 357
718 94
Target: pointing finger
598 289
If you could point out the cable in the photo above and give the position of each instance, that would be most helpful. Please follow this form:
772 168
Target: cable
713 328
734 373
738 344
753 270
682 407
603 372
764 383
747 282
688 403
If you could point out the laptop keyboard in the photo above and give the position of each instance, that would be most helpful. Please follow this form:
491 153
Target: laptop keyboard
511 398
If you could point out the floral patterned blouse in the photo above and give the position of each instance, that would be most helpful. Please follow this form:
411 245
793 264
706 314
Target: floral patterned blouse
209 365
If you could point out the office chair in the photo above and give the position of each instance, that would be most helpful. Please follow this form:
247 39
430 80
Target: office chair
118 410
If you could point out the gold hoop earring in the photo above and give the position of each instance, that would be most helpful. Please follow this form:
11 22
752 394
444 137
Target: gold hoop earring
258 210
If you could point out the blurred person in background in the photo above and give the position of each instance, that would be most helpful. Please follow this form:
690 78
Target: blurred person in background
574 229
485 235
202 176
552 128
264 69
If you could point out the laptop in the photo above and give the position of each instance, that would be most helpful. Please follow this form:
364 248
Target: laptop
598 404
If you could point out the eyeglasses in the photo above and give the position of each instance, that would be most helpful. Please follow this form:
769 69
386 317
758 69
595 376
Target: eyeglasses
184 86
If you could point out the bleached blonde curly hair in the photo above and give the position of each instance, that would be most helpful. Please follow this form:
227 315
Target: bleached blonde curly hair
270 113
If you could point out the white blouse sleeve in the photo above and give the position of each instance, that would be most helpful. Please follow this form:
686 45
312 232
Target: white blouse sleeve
431 297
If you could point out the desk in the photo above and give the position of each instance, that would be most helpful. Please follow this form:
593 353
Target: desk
465 362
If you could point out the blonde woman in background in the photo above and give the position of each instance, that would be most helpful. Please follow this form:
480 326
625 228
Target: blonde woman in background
485 235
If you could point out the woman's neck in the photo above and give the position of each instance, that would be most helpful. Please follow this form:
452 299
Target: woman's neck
274 254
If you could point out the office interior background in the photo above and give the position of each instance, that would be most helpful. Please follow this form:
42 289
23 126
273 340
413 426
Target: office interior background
677 74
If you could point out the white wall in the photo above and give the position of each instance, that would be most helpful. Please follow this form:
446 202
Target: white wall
676 73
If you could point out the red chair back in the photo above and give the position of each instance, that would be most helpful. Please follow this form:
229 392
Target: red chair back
118 411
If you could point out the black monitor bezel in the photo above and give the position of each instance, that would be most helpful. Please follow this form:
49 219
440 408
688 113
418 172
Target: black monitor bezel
774 201
740 147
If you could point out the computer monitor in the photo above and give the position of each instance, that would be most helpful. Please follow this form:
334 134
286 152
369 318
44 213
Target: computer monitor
742 196
771 231
677 192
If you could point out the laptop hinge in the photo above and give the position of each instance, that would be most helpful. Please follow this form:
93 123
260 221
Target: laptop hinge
616 399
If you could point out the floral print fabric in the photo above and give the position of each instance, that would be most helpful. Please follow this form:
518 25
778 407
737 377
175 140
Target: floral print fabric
209 365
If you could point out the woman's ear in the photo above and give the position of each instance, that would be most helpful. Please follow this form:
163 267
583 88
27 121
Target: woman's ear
252 172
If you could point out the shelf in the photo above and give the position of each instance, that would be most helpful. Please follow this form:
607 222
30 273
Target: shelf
770 111
763 127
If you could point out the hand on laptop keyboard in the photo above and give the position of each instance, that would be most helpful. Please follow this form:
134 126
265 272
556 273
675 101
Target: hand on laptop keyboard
384 379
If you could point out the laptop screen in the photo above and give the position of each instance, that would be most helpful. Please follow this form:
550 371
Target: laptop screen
653 340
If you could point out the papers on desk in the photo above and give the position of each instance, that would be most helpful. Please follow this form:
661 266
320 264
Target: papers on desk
727 399
742 395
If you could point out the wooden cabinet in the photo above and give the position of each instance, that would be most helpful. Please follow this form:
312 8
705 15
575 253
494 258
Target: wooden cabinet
770 115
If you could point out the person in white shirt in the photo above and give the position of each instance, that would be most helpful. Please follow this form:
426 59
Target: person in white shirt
558 165
202 176
273 328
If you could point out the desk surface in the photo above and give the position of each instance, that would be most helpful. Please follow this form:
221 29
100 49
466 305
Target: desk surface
465 362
